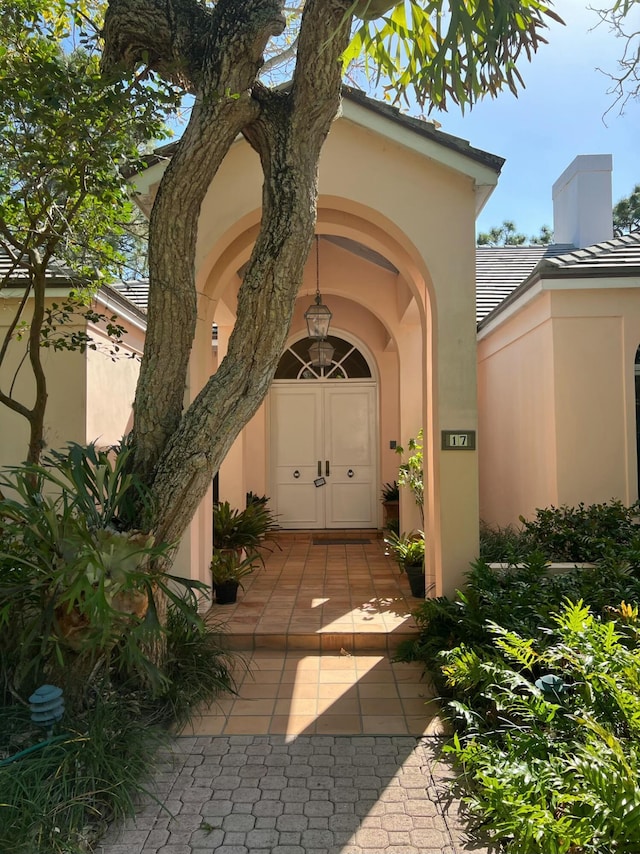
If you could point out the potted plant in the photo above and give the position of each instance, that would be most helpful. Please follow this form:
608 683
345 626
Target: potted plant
408 551
242 529
391 504
411 472
228 568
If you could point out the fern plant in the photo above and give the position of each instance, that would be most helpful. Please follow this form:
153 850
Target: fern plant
553 773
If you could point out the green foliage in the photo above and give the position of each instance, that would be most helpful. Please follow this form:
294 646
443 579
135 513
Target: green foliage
390 491
82 605
65 135
566 534
54 800
198 666
68 135
232 565
407 549
503 544
454 51
79 591
242 529
583 533
410 472
553 773
626 213
506 235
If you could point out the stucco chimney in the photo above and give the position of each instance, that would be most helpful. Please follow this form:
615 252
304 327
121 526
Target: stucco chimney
582 201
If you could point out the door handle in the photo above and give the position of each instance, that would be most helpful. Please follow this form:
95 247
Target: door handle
319 468
326 468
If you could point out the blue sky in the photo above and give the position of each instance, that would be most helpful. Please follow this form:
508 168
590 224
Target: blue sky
557 116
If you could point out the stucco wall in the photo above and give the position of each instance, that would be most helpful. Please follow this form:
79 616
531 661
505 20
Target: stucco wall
111 386
66 406
557 402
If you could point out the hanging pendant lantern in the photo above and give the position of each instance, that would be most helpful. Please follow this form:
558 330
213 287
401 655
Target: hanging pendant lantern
321 354
318 315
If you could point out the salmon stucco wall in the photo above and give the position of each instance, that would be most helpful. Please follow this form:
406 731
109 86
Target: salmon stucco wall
557 402
516 435
382 187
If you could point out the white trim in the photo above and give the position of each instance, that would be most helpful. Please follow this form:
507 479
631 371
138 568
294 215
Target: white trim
516 306
123 311
351 339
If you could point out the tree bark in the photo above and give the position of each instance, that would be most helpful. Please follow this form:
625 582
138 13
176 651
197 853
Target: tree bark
221 53
179 452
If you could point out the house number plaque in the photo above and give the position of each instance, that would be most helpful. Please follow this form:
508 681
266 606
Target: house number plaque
458 440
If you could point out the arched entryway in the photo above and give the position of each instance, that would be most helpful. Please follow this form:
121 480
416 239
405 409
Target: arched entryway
324 439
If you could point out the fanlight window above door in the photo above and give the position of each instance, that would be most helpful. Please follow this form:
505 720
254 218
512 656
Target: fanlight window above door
348 362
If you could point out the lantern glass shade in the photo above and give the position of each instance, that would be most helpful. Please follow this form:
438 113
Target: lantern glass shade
321 354
318 318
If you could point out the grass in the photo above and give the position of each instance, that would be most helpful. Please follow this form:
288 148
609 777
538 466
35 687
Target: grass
57 800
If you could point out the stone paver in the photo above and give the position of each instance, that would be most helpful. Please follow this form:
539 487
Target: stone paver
269 795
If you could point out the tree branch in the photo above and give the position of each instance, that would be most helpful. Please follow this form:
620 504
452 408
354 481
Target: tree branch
288 134
230 63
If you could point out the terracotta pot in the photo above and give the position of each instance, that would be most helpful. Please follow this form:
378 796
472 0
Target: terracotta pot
390 512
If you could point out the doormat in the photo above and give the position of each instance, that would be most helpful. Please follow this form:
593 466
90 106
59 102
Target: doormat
340 541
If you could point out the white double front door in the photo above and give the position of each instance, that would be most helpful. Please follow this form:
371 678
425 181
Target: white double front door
323 454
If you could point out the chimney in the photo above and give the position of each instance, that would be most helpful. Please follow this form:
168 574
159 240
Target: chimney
582 201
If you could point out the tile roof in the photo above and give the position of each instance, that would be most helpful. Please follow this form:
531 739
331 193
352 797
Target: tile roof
501 269
57 274
505 272
423 127
620 255
134 290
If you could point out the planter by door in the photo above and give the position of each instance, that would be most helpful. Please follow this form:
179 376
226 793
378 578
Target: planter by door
415 574
226 592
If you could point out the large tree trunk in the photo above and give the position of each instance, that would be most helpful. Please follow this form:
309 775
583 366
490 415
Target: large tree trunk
178 452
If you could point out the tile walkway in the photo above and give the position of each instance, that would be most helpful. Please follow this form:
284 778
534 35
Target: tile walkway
328 747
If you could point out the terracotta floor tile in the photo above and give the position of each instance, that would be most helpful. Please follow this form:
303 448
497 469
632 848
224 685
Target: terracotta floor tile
417 706
339 724
205 725
258 690
381 706
262 706
384 725
294 619
302 689
332 690
293 726
379 690
296 706
338 706
248 725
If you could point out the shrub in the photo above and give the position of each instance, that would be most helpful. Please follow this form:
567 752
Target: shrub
553 771
79 596
565 534
85 603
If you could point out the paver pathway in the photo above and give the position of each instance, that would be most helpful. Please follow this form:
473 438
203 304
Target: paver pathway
313 794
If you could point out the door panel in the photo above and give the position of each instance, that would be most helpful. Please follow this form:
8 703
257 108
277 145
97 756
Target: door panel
327 424
349 418
296 442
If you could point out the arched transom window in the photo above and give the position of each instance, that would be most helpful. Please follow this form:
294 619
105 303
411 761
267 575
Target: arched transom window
348 363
